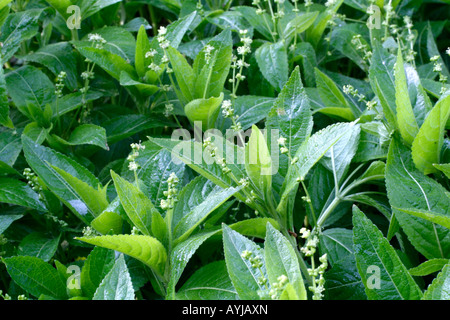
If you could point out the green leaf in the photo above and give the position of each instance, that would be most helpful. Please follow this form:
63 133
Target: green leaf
142 47
315 32
281 259
41 160
330 94
291 113
95 200
258 162
144 248
199 213
38 245
210 75
428 267
373 252
337 243
183 73
435 217
5 120
308 154
204 110
7 219
10 147
254 227
90 7
250 110
88 134
137 206
343 281
60 6
272 60
97 265
28 85
262 23
18 27
439 289
117 283
427 145
17 192
57 57
408 188
36 276
112 63
405 116
299 24
210 282
242 274
72 101
180 256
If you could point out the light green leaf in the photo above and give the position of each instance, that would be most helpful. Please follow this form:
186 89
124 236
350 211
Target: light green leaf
427 145
17 192
428 267
445 168
204 110
144 248
183 73
108 221
38 245
258 162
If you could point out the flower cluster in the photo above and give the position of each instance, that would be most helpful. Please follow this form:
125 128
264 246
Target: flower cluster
311 242
318 286
171 193
33 180
278 287
89 232
282 143
97 40
356 41
60 83
437 67
228 112
212 149
135 147
208 50
163 42
410 38
256 263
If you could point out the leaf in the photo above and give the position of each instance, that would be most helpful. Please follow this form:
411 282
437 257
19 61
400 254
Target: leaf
243 276
90 7
142 47
117 283
112 63
124 126
445 168
343 281
330 94
7 219
183 73
405 116
299 24
57 57
435 217
18 27
108 221
258 162
427 145
38 245
254 227
41 160
210 74
408 188
5 120
250 110
428 267
10 147
262 23
337 243
210 282
373 252
308 154
315 32
72 101
180 256
204 111
199 213
19 193
36 276
28 85
137 206
281 259
88 134
97 265
272 60
439 289
291 113
144 248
